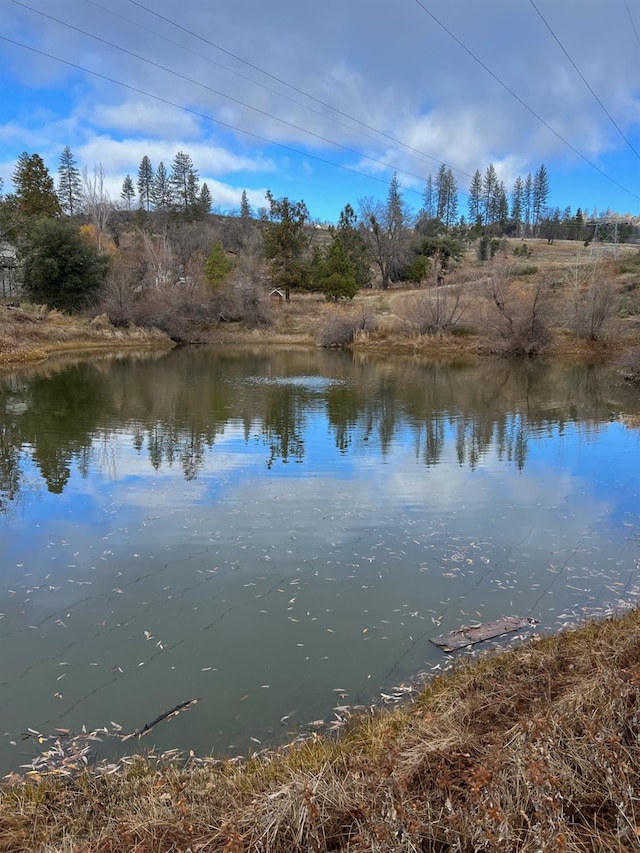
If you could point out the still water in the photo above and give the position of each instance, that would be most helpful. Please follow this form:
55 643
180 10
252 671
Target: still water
280 532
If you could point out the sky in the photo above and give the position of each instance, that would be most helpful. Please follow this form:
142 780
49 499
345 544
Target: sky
322 102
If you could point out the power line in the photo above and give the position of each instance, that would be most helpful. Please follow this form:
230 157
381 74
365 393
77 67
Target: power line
520 100
291 86
626 6
217 92
280 94
582 77
204 116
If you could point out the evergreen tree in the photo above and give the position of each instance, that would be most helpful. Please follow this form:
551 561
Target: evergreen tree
128 191
145 183
245 207
286 241
540 193
450 210
429 207
69 183
502 208
60 266
184 184
34 188
517 204
206 200
336 276
489 193
161 189
218 266
354 245
527 203
475 199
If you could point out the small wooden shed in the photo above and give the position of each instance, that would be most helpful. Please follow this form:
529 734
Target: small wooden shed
276 296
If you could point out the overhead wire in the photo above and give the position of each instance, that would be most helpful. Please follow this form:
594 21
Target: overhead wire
280 94
582 77
520 100
289 85
218 92
633 23
201 115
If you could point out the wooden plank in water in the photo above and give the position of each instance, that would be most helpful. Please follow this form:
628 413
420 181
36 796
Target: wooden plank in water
470 635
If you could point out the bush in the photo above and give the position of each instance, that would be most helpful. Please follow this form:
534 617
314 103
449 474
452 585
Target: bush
340 330
592 301
60 266
438 309
517 316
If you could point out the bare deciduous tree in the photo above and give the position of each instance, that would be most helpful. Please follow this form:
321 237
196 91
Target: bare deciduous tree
516 314
591 300
438 309
96 202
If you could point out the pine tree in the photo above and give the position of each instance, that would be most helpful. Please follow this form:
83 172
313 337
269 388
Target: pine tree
218 266
489 189
336 276
128 191
286 241
450 211
475 199
205 200
517 204
429 206
34 188
160 188
502 206
540 194
184 184
245 207
69 183
145 183
354 245
527 203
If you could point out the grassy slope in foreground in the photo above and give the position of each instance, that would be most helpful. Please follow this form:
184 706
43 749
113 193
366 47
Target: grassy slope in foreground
529 750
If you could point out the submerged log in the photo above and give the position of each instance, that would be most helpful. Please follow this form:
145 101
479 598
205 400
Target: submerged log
470 635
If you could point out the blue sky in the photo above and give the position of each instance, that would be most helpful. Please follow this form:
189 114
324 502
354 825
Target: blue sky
322 102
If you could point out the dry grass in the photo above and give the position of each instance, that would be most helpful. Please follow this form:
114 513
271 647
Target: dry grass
536 749
31 334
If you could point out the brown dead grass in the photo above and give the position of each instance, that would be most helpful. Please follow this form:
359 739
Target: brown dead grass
31 334
529 750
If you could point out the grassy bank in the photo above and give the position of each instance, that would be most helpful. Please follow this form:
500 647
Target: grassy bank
563 302
29 334
528 750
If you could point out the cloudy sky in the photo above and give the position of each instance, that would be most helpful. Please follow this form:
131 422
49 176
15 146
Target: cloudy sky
323 101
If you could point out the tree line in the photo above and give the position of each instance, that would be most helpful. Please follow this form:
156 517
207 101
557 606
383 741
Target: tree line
69 233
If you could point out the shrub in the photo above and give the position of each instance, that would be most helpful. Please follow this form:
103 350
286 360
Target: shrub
60 266
516 315
340 330
592 300
438 309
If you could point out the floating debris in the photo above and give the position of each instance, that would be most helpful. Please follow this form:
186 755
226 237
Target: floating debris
469 635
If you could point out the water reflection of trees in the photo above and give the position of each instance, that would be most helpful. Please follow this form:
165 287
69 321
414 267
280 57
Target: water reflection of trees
176 407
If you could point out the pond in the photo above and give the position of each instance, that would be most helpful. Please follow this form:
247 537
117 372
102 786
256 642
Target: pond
281 532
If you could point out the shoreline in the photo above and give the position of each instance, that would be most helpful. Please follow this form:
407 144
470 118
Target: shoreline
52 335
534 746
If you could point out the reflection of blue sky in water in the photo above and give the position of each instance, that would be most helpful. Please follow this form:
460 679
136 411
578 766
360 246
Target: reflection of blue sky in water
135 588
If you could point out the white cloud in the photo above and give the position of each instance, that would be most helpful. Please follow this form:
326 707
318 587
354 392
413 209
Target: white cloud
395 70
